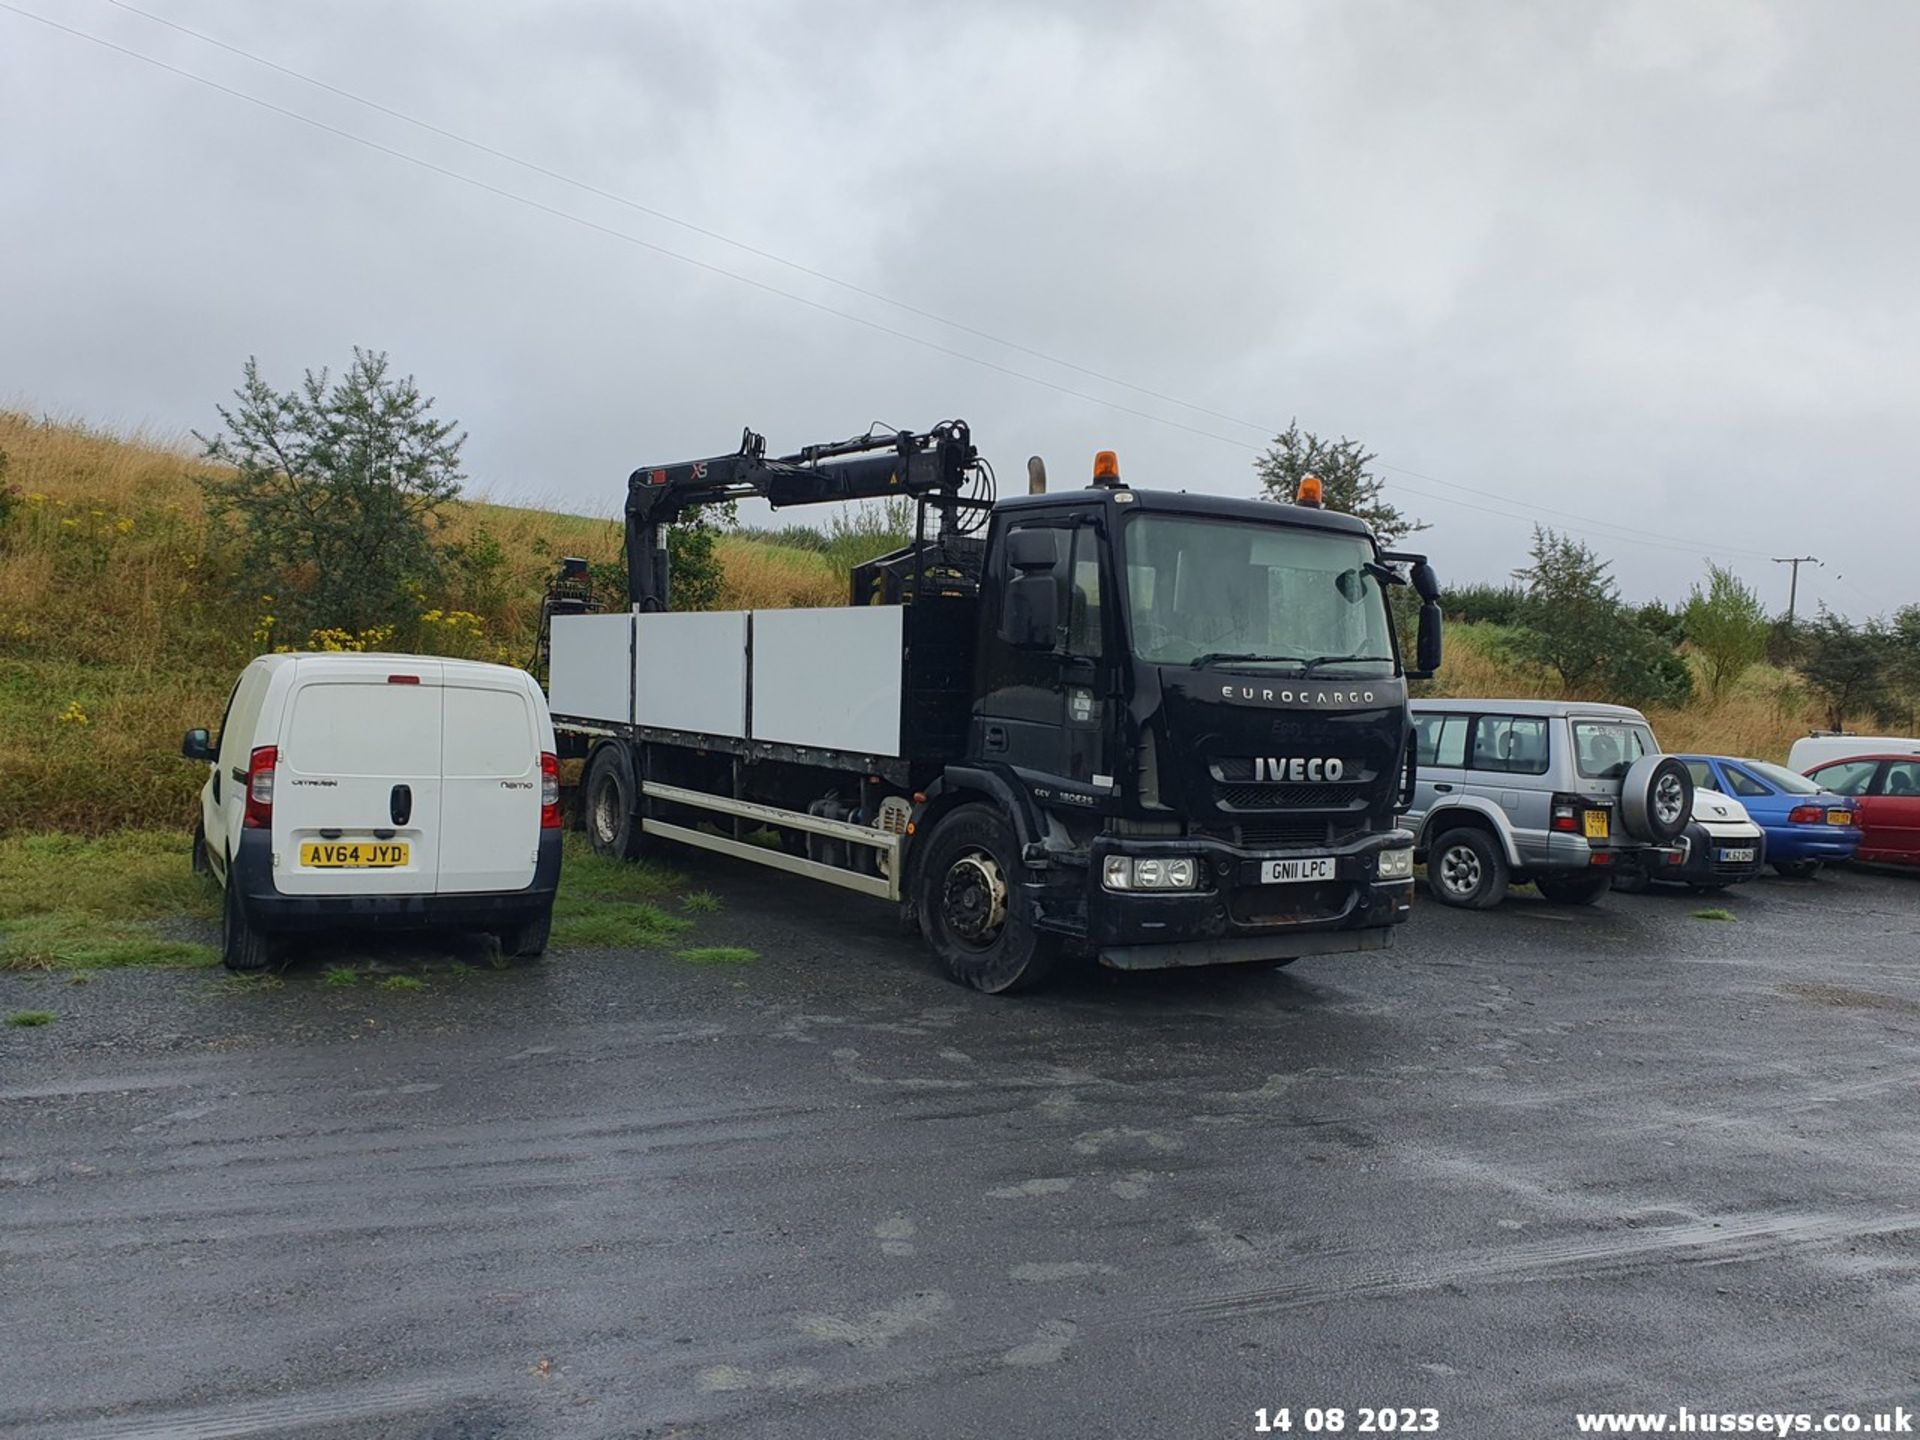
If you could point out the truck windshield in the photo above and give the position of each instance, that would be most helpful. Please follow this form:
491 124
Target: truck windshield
1220 591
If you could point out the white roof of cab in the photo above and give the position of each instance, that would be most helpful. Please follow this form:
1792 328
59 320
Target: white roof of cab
450 665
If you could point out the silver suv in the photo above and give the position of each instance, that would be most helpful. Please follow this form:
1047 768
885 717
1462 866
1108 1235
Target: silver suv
1560 793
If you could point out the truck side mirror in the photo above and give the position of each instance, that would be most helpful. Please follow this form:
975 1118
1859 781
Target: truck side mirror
197 745
1426 644
1030 616
1033 549
1426 584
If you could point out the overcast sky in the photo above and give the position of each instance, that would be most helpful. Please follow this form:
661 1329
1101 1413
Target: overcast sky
1646 271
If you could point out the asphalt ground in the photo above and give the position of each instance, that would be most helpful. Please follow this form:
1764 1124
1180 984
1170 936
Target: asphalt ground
1527 1163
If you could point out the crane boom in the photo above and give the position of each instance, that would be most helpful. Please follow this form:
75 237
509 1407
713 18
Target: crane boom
936 467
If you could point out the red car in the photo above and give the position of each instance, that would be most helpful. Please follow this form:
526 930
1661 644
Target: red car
1886 795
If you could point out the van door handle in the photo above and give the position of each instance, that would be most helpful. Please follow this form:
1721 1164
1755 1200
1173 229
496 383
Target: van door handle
996 737
1443 787
400 804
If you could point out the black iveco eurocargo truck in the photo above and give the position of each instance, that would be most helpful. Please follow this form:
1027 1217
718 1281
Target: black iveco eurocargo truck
1144 726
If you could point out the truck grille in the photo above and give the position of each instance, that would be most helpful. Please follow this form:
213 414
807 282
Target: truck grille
1290 904
1286 797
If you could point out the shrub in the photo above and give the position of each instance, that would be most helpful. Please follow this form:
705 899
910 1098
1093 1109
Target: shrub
1727 624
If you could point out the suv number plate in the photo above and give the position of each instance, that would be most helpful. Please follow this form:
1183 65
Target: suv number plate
1289 872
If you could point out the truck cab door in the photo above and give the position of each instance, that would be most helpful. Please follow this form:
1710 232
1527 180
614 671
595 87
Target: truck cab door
1045 711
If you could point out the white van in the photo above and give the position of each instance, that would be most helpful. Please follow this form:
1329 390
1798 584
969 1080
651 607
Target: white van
1822 746
388 791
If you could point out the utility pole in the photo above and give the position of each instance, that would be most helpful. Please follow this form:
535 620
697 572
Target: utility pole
1793 585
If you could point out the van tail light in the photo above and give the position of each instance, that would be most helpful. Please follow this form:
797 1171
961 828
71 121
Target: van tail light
1807 815
260 766
1566 813
549 791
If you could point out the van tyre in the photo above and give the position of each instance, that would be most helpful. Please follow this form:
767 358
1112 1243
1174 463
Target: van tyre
202 864
1581 888
528 940
973 910
1465 868
612 827
244 945
1656 799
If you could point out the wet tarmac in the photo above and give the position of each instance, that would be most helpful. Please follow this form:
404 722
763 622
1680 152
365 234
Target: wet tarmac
1527 1163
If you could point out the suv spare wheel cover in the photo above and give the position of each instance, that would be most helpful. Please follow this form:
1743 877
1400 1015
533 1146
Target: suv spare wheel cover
1656 799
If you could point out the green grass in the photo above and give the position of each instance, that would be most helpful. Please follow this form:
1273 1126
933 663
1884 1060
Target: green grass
1714 913
340 976
611 904
700 902
30 1017
68 902
719 955
403 982
76 942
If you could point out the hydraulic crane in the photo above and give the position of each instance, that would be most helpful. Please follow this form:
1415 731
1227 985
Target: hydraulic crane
939 469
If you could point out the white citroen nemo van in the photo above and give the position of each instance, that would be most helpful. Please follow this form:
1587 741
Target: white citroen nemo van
390 791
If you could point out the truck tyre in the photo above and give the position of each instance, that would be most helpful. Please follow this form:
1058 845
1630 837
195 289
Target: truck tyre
612 827
243 945
1656 799
1465 868
973 911
527 940
1581 887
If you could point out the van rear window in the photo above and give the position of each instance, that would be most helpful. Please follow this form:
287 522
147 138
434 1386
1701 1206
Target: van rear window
489 733
383 730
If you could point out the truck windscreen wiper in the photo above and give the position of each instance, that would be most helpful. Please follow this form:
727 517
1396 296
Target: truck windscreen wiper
1223 657
1320 660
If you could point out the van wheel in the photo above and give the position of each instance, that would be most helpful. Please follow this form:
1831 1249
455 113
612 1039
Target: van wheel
973 911
243 945
202 864
528 940
612 827
1465 869
1582 888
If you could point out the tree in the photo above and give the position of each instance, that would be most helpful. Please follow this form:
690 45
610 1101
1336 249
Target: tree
1572 615
1728 625
1342 467
337 488
1848 666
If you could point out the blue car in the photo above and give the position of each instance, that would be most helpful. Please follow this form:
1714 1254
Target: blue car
1806 826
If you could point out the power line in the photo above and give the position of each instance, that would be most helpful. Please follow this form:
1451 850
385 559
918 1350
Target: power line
1793 585
1609 530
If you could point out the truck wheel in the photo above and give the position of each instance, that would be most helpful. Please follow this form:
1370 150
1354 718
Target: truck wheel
612 827
1656 799
1464 868
972 909
527 940
243 945
1581 888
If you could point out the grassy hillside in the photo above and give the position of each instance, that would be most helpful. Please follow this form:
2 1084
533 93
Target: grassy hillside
118 631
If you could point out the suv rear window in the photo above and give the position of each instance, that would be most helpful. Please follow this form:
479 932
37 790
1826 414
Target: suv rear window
1512 744
1606 749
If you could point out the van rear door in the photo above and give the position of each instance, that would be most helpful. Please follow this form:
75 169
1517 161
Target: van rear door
490 786
356 806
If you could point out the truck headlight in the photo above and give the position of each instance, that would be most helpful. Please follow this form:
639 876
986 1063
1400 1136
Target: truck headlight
1124 872
1395 865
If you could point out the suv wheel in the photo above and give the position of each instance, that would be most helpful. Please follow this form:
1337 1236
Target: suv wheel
1656 799
1465 868
1580 887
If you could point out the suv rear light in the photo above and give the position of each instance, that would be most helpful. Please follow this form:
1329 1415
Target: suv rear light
260 766
1808 815
549 791
1566 813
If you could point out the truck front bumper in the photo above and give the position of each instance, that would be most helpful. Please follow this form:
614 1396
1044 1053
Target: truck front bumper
1234 915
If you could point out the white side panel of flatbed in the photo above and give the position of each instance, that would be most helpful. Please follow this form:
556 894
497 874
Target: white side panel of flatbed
829 678
690 671
590 675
